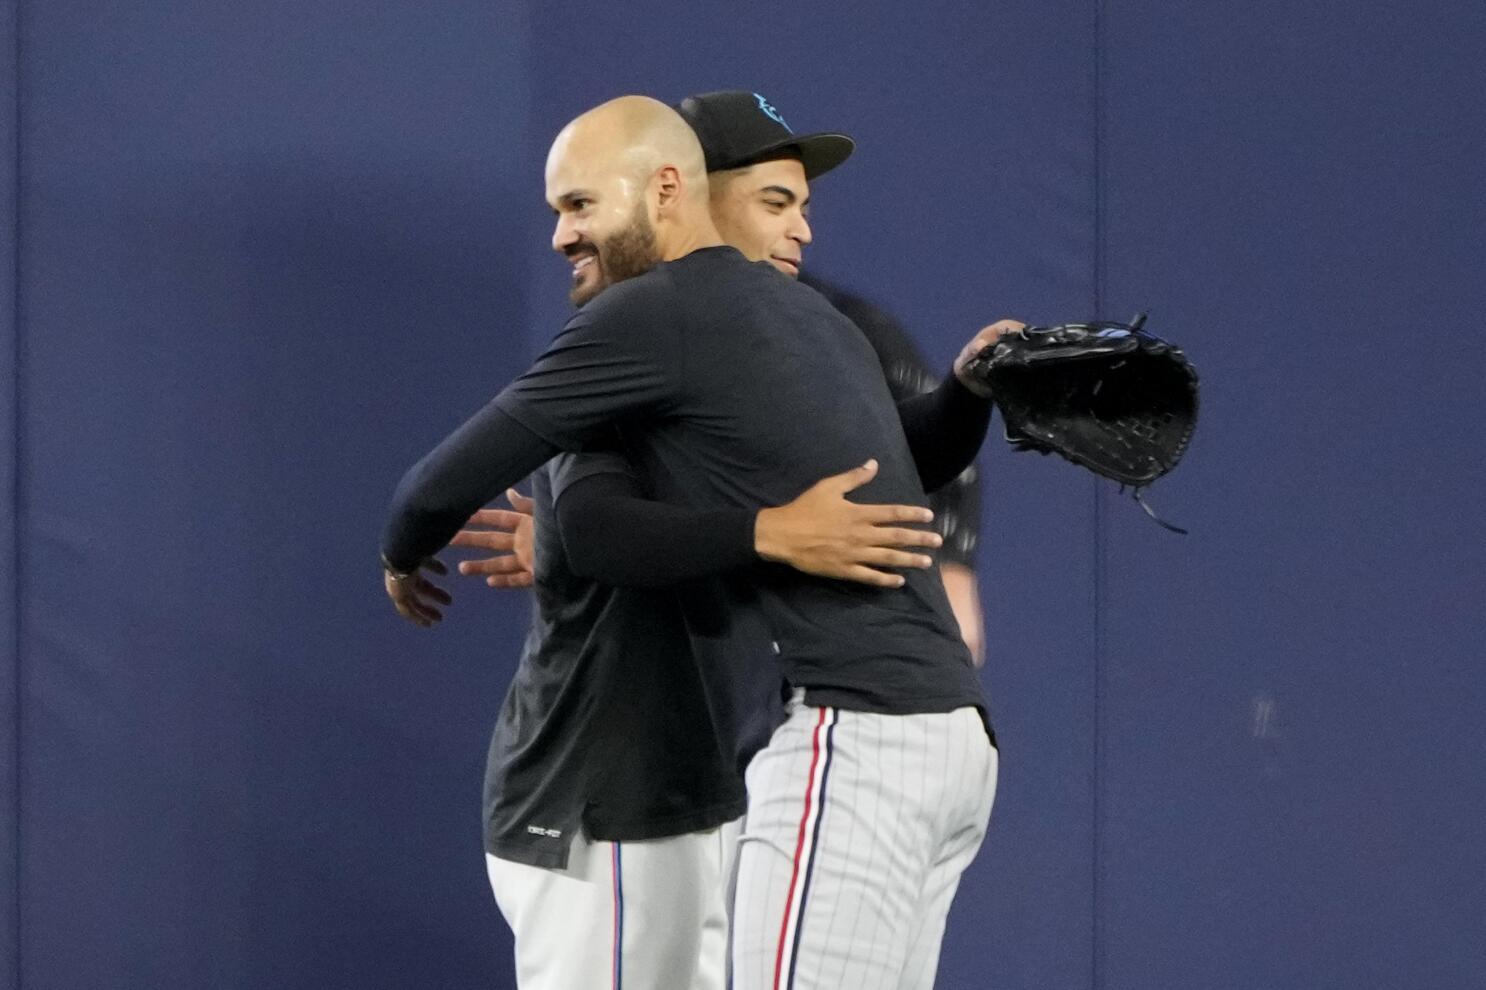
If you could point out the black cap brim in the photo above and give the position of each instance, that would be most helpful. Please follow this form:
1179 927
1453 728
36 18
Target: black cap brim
819 153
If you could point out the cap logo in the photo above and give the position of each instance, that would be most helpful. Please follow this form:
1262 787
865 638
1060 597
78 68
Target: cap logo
770 112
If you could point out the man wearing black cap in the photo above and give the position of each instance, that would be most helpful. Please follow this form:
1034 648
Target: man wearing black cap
589 280
611 800
758 179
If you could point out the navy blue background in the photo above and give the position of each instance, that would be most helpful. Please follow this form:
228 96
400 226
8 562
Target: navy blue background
257 258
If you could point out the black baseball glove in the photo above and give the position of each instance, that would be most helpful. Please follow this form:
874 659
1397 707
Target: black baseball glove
1107 396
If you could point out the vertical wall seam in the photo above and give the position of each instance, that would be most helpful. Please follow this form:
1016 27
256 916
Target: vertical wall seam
18 465
1096 858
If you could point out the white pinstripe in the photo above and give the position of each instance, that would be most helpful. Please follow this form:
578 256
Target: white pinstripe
907 801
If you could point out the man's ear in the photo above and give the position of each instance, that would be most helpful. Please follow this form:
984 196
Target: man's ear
669 188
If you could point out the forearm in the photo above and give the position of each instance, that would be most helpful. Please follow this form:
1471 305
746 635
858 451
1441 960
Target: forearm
488 454
945 429
614 535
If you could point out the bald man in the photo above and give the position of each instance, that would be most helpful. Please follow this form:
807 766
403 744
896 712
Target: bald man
619 764
732 388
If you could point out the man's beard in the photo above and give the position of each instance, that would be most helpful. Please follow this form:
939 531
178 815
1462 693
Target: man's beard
627 253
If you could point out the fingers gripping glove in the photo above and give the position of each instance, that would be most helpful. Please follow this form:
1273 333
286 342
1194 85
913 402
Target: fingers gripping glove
1108 397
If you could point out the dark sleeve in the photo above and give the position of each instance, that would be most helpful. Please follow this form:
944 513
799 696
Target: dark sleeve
474 464
615 535
617 359
621 358
956 505
945 429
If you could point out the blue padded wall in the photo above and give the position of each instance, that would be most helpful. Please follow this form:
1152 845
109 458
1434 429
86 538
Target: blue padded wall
257 258
10 384
1294 704
265 260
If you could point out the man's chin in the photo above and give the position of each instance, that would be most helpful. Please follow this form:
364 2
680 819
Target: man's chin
585 289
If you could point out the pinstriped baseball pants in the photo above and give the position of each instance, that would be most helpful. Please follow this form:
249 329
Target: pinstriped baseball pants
858 828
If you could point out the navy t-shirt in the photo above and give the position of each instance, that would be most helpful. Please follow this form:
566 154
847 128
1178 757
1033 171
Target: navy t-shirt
606 723
735 387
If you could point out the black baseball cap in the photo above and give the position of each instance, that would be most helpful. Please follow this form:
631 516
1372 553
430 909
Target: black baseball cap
739 128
